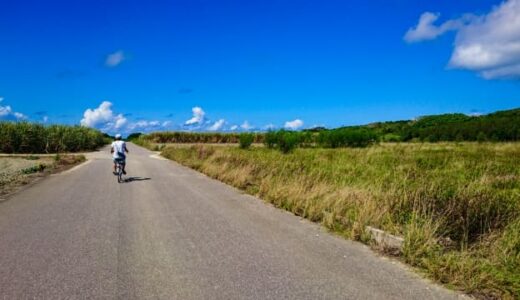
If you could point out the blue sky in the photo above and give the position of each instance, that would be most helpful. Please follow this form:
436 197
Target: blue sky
160 64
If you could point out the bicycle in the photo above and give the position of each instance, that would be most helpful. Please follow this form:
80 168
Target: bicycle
119 171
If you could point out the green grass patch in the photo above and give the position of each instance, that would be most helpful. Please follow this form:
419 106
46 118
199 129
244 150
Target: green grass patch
34 169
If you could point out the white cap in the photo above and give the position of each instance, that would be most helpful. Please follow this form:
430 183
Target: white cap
118 136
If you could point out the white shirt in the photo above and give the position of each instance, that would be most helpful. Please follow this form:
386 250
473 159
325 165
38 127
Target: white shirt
119 147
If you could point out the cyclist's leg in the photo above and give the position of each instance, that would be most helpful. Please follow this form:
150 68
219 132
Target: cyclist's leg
123 166
115 165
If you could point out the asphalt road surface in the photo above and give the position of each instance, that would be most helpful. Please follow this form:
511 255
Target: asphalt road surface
172 233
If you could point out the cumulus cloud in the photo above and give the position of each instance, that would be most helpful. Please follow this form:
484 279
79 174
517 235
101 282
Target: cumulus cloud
293 125
115 59
217 125
103 118
488 44
6 112
233 127
198 116
491 44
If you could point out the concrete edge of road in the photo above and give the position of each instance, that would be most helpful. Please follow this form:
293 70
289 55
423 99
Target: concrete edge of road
380 237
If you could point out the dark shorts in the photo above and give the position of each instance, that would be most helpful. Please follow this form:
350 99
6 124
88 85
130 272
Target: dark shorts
120 160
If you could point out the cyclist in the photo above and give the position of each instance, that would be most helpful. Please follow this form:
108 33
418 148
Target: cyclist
119 151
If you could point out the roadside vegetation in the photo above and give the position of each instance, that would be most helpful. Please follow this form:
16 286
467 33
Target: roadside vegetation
457 205
170 137
25 137
18 170
449 184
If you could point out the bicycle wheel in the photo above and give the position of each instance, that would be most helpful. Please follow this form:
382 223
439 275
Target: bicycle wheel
119 173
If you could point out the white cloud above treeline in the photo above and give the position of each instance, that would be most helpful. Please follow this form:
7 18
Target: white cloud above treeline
198 116
293 125
488 44
6 112
218 125
103 118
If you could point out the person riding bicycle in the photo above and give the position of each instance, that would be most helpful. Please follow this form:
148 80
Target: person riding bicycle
119 151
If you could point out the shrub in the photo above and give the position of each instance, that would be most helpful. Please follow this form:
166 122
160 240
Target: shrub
347 137
270 139
245 140
287 141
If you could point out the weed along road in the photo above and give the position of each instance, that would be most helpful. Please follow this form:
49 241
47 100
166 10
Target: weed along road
172 233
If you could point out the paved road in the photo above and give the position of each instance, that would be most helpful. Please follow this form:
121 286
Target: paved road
172 233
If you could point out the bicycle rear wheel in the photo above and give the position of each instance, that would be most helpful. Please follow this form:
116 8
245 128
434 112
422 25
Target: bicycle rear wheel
119 173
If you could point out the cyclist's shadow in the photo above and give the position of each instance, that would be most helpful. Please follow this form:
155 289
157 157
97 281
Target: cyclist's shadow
135 178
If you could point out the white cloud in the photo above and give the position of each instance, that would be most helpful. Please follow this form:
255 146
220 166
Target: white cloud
103 118
7 112
233 127
246 126
19 116
115 59
488 44
293 125
166 123
427 30
491 44
120 121
217 125
45 119
198 116
144 125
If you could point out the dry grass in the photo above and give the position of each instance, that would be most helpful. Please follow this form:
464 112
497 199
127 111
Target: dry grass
457 205
16 171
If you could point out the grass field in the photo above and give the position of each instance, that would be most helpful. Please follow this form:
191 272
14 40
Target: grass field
456 204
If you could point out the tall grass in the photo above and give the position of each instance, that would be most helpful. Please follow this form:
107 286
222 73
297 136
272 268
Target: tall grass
457 205
166 137
24 137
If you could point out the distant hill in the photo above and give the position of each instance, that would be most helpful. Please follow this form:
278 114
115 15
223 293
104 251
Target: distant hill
497 126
